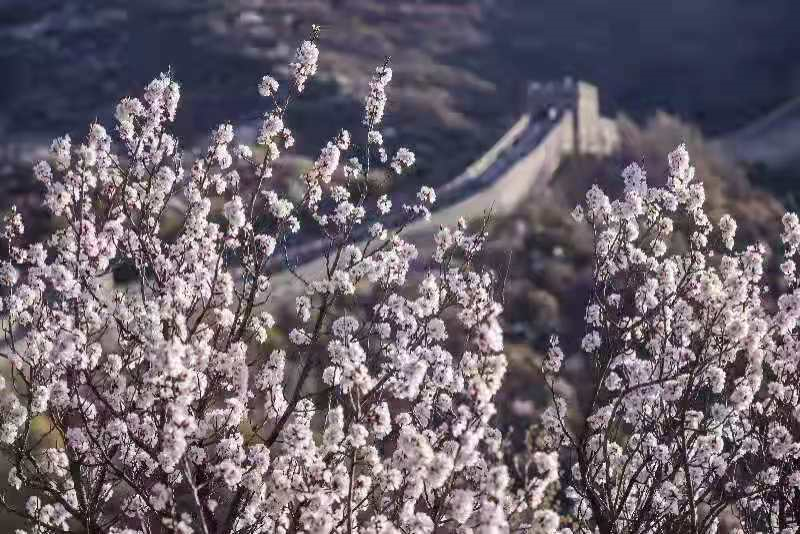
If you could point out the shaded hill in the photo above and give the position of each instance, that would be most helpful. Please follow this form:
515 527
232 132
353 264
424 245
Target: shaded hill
460 64
773 140
771 147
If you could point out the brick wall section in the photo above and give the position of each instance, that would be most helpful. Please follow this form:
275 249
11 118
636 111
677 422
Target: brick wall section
562 119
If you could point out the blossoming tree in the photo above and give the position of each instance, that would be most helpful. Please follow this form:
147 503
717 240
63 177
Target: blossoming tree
693 404
171 404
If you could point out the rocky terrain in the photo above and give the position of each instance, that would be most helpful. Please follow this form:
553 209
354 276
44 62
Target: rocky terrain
460 64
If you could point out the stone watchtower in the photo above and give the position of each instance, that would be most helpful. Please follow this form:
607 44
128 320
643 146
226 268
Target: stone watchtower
591 133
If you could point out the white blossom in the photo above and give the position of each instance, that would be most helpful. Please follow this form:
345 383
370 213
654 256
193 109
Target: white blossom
196 396
268 86
304 65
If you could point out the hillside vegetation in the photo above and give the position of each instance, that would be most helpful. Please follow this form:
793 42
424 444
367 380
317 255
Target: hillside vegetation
547 255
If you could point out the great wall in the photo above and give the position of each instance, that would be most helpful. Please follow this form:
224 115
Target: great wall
562 118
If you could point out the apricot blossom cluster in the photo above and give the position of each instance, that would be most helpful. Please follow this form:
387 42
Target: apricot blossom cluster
190 400
691 411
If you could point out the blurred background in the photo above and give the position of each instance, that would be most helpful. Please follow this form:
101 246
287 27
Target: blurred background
721 75
460 65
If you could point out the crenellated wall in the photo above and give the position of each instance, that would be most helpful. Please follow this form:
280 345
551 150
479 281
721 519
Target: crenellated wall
562 118
594 134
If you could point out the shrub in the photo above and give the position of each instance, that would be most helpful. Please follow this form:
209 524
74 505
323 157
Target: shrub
181 403
692 406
